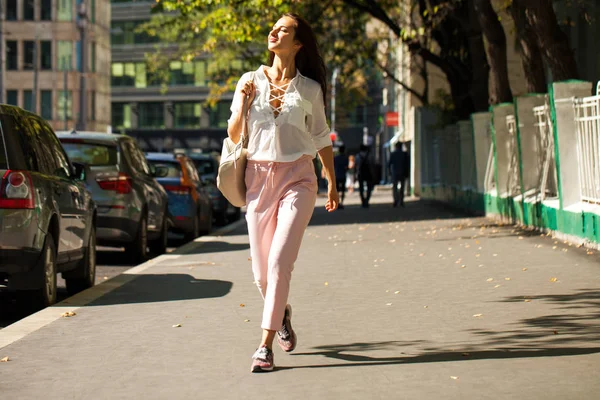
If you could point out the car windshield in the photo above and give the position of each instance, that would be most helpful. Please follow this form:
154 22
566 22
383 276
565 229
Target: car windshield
205 166
91 154
173 168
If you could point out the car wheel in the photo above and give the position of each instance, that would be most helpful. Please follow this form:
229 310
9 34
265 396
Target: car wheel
46 295
138 250
195 232
221 218
159 246
208 226
85 272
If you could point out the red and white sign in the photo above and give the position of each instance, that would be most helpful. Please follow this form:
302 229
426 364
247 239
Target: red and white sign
391 118
333 136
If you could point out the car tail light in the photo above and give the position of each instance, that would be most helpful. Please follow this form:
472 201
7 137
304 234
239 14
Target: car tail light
120 183
16 190
178 189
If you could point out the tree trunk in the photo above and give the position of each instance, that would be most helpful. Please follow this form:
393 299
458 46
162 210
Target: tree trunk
496 52
551 40
479 63
531 56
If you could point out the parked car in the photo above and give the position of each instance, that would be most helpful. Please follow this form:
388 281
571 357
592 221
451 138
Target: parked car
132 205
208 166
189 202
47 216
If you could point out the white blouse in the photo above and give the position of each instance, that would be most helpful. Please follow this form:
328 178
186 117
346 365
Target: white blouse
299 128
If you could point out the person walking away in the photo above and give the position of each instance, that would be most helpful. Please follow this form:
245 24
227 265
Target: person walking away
398 168
287 128
365 175
350 181
340 166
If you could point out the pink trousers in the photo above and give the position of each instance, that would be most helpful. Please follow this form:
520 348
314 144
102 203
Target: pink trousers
280 201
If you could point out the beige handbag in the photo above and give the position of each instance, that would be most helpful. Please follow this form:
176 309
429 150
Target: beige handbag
232 167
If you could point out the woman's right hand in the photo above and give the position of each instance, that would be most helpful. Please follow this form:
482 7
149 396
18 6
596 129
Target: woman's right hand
248 92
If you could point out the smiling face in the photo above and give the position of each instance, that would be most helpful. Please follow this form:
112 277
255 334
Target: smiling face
281 38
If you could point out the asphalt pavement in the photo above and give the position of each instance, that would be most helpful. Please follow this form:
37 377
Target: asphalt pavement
420 302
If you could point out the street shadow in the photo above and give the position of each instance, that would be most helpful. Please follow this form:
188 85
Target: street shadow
573 329
214 247
415 210
155 288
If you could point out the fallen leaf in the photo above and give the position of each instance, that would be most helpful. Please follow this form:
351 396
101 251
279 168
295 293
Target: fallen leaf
527 301
393 241
454 377
555 332
478 315
463 266
524 269
246 320
490 279
507 279
553 247
466 354
68 314
553 279
425 306
242 305
105 278
388 304
497 286
177 326
396 292
5 359
326 283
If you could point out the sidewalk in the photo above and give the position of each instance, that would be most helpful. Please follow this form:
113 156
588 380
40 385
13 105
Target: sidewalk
412 303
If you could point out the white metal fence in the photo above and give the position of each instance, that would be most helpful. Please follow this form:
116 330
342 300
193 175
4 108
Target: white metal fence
587 118
514 180
547 186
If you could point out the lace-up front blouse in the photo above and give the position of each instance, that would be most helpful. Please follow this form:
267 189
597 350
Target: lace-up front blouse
286 133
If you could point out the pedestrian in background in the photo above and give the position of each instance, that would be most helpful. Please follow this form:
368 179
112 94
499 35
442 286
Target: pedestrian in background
365 175
340 165
287 128
350 181
398 167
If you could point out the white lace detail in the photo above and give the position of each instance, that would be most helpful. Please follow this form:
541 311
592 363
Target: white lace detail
272 97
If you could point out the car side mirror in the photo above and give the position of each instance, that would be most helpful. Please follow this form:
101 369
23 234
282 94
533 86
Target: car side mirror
160 171
79 171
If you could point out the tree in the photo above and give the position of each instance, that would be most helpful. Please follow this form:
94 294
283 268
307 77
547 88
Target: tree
499 89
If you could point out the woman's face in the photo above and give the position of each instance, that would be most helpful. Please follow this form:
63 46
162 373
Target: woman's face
281 37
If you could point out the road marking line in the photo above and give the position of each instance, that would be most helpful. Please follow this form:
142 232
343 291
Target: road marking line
44 317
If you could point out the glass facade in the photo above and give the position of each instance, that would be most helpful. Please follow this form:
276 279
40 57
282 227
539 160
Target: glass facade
151 115
28 100
64 57
64 105
28 54
12 55
11 10
46 11
137 74
65 10
46 100
28 10
127 33
121 115
187 115
12 97
219 114
46 55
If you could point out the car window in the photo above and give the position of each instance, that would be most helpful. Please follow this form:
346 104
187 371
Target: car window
205 166
90 153
141 159
136 157
62 166
15 129
173 168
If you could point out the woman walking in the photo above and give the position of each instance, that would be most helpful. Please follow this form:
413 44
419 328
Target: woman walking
287 128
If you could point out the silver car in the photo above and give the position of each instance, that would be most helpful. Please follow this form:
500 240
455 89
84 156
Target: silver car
132 205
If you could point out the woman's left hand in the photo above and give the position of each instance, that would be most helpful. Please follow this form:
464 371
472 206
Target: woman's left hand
333 199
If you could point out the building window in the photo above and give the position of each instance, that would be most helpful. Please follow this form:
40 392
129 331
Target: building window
151 115
123 74
28 100
187 115
65 10
65 55
12 97
28 10
121 115
92 105
46 98
46 54
219 115
93 11
28 59
12 55
125 33
65 105
11 10
93 57
46 10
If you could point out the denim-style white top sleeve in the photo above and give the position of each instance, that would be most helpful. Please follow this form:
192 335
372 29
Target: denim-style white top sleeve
300 128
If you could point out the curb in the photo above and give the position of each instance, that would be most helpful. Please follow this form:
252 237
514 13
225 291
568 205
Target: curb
40 319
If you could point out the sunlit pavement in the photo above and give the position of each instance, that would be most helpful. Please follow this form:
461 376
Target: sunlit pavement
418 302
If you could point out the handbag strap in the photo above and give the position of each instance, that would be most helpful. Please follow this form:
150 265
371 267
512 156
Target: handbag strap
245 137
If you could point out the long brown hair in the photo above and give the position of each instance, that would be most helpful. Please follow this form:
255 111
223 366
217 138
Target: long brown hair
308 60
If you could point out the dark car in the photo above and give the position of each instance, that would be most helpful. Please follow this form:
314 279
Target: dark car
47 216
208 166
132 205
189 203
